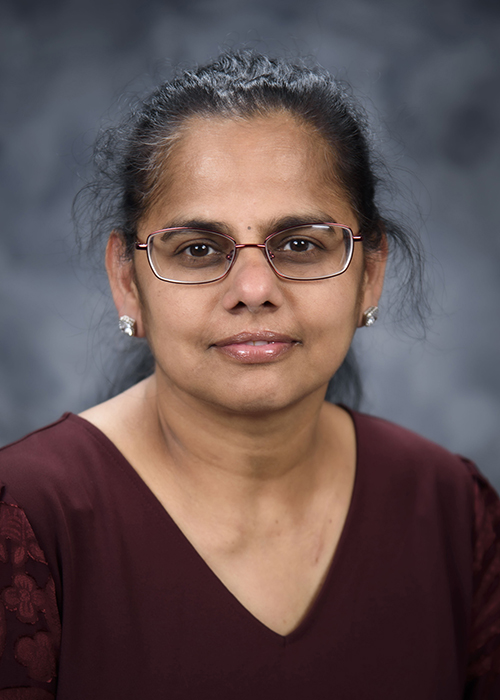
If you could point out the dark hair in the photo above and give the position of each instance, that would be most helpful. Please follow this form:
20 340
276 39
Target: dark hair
130 159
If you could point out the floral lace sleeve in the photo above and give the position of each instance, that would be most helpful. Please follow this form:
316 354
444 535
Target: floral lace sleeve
484 647
29 617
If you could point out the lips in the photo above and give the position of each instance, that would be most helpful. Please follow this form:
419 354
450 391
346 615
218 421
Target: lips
255 347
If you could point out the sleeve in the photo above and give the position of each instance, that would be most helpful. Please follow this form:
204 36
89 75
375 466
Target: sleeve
29 617
483 673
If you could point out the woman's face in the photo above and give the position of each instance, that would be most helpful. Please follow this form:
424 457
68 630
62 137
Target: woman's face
246 178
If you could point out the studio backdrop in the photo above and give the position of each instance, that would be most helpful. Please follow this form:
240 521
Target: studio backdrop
428 74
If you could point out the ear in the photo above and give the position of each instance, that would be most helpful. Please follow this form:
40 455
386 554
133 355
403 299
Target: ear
120 269
373 282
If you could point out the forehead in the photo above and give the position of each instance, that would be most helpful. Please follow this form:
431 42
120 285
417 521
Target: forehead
261 166
214 147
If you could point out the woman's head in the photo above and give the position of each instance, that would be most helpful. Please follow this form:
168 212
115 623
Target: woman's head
138 160
250 340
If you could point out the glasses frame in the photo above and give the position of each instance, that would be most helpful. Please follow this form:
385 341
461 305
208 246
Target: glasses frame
238 246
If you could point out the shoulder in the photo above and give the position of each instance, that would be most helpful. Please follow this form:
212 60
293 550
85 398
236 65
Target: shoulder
402 450
54 452
414 477
60 476
447 500
393 435
57 468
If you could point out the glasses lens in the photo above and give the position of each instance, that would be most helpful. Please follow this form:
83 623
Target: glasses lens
189 255
311 252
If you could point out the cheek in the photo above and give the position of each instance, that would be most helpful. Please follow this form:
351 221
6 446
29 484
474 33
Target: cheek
158 313
173 316
338 328
334 322
337 307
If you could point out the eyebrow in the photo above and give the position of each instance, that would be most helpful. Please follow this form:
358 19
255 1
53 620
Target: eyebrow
201 224
300 220
277 224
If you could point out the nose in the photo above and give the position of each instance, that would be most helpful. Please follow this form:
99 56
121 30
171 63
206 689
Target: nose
252 283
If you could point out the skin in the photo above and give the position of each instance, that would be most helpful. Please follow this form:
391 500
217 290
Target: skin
251 463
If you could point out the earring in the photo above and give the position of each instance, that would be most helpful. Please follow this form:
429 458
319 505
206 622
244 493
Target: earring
370 316
127 325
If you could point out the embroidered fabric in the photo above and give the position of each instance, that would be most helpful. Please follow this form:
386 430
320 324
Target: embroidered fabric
29 618
30 624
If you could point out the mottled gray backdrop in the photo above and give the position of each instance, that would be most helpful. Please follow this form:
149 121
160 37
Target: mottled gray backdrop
429 73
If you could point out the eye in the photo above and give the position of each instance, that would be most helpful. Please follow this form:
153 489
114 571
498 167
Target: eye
198 250
299 245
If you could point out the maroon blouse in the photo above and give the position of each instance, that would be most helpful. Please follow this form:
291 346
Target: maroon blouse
410 608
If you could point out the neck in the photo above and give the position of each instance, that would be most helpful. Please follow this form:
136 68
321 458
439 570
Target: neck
239 473
285 452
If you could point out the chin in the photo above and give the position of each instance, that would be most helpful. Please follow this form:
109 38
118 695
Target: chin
258 401
253 406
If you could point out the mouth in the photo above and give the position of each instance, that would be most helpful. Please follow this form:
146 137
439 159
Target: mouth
256 338
256 347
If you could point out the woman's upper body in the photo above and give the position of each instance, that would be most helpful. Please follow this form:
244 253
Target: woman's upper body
143 612
247 251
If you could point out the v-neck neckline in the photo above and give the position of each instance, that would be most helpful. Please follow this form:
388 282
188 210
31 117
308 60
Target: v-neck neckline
162 512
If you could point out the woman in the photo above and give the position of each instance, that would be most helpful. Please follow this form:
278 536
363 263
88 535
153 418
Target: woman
218 529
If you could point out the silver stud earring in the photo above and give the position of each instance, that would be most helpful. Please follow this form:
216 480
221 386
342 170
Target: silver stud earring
127 325
370 316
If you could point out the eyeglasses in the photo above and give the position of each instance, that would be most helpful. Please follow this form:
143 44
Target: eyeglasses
308 252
